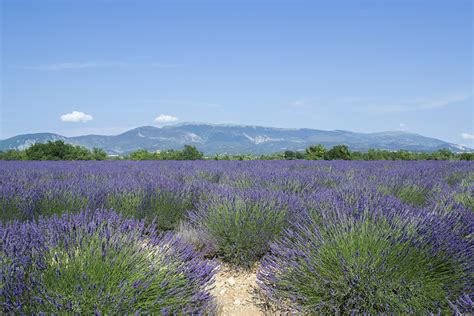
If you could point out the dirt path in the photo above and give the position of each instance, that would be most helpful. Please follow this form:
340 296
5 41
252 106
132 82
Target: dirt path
235 292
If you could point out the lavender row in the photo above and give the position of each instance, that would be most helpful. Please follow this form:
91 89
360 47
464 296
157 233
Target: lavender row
29 189
372 254
335 237
98 262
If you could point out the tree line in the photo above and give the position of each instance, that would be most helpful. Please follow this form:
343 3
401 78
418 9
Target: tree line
54 150
58 150
342 152
188 153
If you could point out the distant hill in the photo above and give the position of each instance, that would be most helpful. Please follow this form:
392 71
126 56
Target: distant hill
237 139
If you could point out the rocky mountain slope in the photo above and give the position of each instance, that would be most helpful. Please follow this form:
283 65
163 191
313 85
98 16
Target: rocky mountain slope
234 139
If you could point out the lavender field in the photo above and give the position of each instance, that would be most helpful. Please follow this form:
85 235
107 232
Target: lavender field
331 237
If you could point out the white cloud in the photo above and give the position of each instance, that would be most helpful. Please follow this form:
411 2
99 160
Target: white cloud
467 136
76 116
302 104
163 118
402 127
95 64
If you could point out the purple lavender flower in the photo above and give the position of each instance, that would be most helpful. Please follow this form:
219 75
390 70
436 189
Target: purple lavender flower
120 271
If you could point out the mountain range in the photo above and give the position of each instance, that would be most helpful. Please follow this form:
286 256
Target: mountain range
236 139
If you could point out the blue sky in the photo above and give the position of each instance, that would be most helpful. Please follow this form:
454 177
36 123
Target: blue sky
364 66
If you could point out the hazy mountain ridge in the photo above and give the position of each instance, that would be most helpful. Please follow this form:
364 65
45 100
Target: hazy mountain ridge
233 139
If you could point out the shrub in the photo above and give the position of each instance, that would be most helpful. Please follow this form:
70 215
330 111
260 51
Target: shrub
169 206
58 150
316 152
166 202
197 237
338 152
191 153
241 223
100 262
414 195
128 202
466 198
58 202
465 193
455 178
371 260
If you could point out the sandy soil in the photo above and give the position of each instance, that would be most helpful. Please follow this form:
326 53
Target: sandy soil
236 292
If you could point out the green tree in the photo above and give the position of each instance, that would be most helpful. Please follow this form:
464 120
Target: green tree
357 155
191 153
99 154
188 153
443 154
141 154
289 155
466 156
57 150
292 155
13 154
316 152
338 152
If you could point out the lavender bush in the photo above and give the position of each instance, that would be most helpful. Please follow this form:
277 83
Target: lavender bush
100 262
198 237
373 256
241 223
